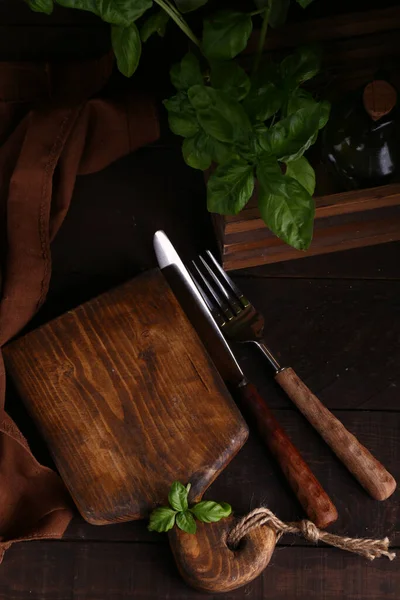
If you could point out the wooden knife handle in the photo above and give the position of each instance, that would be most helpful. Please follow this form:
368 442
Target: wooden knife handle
370 472
311 495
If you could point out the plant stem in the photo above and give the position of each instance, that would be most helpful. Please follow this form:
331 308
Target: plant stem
261 40
179 20
257 12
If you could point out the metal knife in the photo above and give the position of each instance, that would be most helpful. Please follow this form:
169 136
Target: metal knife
315 501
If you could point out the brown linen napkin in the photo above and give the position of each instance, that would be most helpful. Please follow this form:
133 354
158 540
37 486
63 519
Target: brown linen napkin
51 130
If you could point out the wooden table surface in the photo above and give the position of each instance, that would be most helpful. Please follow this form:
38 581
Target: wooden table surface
334 318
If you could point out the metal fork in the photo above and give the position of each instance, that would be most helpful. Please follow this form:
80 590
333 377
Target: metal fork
234 313
241 322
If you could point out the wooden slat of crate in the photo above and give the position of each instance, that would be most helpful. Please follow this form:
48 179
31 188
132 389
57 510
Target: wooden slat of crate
343 221
326 206
329 28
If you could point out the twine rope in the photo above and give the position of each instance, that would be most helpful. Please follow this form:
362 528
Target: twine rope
368 548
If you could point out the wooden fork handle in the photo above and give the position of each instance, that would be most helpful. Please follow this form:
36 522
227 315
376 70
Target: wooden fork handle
313 498
370 472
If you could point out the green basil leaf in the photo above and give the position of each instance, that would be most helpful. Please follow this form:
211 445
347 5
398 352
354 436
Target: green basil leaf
266 94
268 171
157 23
181 115
289 138
259 140
230 187
304 3
222 153
41 6
196 151
302 99
301 66
263 102
186 522
162 519
230 78
325 111
252 147
211 512
200 150
278 10
188 5
127 48
302 171
186 73
122 12
225 34
89 5
183 124
285 206
220 116
178 496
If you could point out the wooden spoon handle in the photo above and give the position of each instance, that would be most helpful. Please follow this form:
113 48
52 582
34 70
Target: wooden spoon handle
370 472
313 498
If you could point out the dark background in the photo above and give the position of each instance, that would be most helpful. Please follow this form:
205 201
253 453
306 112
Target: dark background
335 318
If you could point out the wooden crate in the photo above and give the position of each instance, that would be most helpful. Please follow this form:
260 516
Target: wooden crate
354 47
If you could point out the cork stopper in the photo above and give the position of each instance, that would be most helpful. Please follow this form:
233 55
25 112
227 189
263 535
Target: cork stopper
379 98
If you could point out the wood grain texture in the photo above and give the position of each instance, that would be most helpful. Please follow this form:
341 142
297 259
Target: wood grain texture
341 332
206 562
342 337
118 571
366 469
310 493
332 27
369 263
358 224
127 399
253 479
328 205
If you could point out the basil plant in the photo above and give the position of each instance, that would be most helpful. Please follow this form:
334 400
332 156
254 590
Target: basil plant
248 128
244 128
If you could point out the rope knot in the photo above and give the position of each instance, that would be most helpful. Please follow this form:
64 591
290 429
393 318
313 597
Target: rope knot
309 531
264 517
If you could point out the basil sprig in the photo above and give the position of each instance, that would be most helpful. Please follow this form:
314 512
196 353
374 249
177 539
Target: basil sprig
178 512
253 129
225 33
247 128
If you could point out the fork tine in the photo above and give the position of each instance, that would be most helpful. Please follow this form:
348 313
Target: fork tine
219 303
231 298
212 307
228 280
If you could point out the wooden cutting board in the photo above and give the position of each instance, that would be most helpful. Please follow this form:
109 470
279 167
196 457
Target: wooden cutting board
128 400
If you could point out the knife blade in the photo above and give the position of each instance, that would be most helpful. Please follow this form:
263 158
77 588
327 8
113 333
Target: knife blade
196 309
303 482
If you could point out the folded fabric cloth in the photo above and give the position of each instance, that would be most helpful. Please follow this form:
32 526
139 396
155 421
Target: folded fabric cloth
52 129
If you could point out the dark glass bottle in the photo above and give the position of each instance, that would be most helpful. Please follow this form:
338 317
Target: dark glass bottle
361 141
